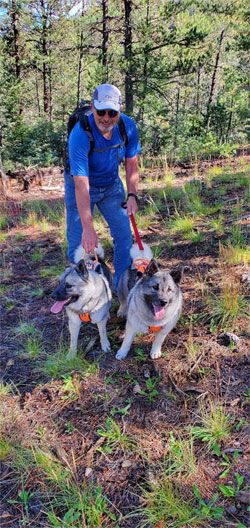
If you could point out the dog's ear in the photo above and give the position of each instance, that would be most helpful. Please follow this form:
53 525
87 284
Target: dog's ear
98 269
177 275
151 268
81 268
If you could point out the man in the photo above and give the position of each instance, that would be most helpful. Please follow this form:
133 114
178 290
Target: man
94 179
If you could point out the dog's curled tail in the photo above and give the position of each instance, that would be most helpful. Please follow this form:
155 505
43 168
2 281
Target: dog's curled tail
80 253
136 253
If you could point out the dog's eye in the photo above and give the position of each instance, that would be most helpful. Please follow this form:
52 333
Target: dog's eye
68 286
155 287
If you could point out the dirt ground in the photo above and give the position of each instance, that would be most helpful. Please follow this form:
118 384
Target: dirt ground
70 426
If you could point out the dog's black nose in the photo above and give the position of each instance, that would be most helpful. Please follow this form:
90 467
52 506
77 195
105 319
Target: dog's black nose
163 303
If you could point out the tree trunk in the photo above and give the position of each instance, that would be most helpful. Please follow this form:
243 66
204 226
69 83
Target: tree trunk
145 73
79 80
45 46
128 56
15 17
177 114
3 179
213 83
105 36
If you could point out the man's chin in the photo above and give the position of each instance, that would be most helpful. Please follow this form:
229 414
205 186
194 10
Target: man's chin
106 129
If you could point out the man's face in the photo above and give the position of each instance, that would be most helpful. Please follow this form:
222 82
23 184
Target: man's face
105 123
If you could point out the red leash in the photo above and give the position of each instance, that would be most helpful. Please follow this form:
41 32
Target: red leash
137 236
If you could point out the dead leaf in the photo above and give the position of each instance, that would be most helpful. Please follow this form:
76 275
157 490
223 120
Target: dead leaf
235 402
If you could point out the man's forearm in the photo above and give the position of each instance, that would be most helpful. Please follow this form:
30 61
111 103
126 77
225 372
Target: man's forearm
132 174
83 200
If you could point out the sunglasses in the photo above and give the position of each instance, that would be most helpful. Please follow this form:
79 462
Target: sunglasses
111 113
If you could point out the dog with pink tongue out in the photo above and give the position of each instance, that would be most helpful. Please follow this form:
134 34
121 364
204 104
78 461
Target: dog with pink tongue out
85 291
154 304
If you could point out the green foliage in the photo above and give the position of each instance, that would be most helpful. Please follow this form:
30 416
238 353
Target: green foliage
170 66
214 429
36 144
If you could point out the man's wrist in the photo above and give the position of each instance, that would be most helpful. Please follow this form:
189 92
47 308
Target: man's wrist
134 196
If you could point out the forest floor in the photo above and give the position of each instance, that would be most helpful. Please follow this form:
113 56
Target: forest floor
118 431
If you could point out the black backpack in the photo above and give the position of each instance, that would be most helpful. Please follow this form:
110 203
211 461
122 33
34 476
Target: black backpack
81 114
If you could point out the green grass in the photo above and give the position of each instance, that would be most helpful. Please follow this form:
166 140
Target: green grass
66 503
166 504
182 225
53 271
215 427
4 221
115 439
229 306
56 365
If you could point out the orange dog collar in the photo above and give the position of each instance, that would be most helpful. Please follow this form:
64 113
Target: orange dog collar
155 328
85 317
141 264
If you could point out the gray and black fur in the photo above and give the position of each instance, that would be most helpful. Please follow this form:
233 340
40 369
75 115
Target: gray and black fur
85 291
155 300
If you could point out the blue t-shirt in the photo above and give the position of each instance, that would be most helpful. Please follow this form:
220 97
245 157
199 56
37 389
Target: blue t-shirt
100 167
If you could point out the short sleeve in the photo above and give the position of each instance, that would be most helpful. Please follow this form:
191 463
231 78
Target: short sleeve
78 148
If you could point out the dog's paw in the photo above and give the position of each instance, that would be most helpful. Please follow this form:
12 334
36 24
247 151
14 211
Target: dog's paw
121 354
155 354
71 355
122 311
105 346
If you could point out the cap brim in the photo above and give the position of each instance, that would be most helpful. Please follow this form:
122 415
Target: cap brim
109 105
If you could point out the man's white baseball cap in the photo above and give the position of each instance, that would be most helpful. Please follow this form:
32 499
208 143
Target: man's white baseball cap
107 97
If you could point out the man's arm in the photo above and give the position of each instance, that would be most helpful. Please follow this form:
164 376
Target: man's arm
89 236
132 180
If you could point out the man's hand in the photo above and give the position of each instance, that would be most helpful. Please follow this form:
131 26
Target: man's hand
131 206
89 239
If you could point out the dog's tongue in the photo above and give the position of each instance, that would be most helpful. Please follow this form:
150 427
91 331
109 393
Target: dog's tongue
159 311
58 306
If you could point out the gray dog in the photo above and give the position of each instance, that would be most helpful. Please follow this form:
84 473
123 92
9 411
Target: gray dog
87 292
154 303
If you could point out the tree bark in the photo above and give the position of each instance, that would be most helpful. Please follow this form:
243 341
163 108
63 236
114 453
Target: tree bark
105 36
45 47
15 17
128 57
3 179
79 79
213 83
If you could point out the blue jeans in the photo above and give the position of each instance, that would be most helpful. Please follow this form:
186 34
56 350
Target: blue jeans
108 200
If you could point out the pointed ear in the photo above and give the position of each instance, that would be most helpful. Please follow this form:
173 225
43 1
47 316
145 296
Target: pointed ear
177 275
152 268
81 268
98 269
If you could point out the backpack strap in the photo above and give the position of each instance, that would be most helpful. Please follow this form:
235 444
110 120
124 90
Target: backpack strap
122 130
84 122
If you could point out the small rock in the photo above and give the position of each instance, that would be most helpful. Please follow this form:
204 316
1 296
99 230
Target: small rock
136 389
228 338
146 373
88 471
126 463
232 337
244 496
